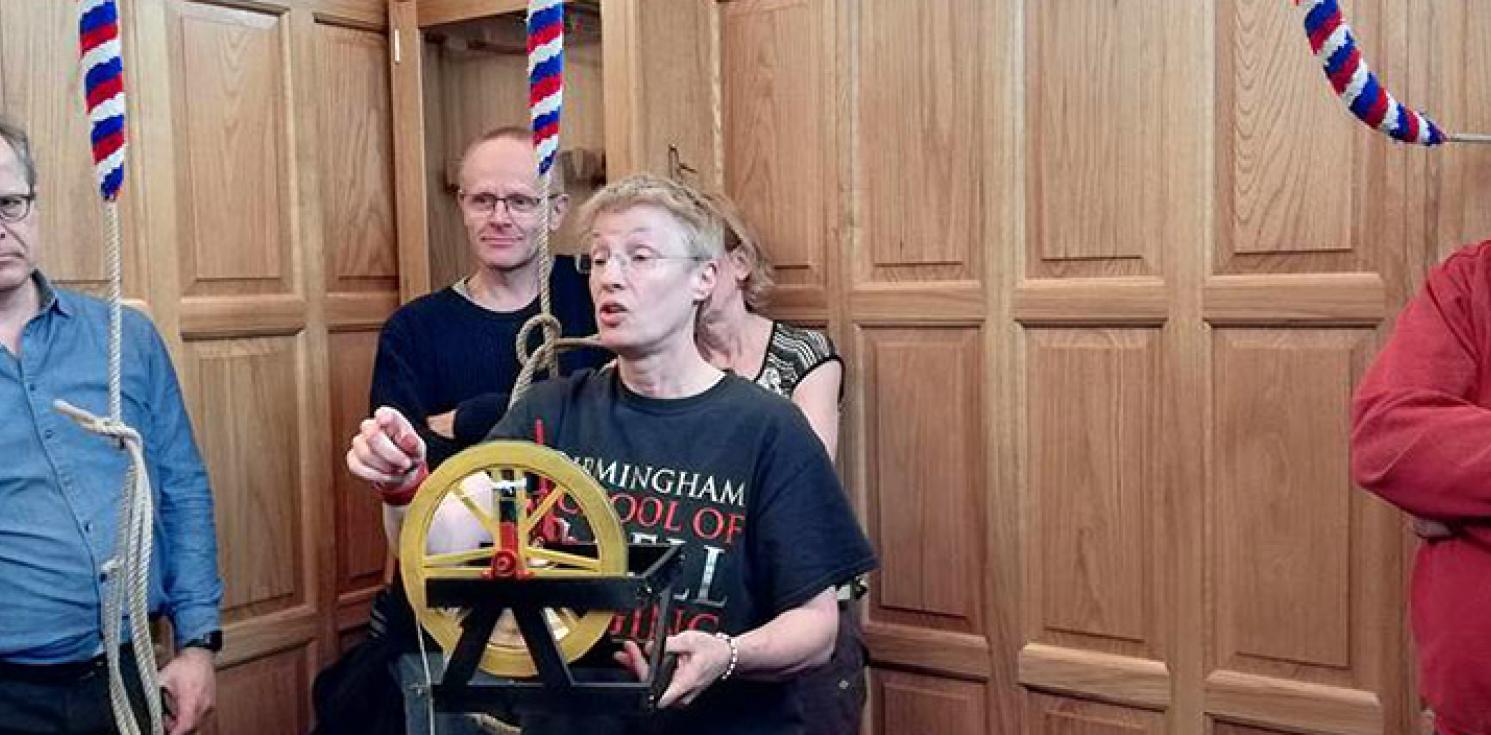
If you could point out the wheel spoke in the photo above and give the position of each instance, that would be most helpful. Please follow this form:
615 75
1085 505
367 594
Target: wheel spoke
587 563
544 507
486 520
455 573
457 558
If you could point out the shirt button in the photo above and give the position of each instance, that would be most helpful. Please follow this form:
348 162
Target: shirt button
88 527
48 433
31 387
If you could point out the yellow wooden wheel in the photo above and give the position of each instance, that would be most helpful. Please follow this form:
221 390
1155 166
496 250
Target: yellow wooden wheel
473 493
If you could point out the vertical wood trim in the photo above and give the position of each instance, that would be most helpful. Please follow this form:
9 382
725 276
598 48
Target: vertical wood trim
151 197
316 502
1004 167
406 75
1182 526
621 77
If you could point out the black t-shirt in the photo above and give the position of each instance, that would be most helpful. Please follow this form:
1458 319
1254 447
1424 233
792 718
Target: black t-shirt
735 474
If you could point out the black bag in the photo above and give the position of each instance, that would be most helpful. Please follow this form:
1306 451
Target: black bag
357 694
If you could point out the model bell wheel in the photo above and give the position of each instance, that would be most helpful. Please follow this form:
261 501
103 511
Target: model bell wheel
502 500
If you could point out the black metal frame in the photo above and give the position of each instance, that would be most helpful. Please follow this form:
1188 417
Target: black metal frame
582 689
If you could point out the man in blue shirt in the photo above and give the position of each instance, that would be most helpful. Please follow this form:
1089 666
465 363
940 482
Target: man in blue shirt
61 487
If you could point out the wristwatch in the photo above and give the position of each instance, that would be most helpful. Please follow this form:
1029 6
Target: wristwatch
213 642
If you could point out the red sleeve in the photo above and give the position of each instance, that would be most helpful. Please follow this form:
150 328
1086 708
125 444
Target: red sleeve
1420 438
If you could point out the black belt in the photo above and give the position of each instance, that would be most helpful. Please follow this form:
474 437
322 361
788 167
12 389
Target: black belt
61 673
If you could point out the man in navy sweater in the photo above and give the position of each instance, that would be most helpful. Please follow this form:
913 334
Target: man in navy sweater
448 360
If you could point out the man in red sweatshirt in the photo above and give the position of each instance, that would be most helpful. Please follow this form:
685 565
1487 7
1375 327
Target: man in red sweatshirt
1421 439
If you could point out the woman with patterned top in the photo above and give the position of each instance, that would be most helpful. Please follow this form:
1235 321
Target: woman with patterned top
801 366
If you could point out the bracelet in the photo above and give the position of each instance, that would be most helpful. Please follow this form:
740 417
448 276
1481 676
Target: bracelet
401 496
734 654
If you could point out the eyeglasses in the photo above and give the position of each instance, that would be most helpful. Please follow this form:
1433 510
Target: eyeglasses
641 261
15 207
486 204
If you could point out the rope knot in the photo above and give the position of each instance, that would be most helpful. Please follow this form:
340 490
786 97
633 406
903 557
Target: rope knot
101 425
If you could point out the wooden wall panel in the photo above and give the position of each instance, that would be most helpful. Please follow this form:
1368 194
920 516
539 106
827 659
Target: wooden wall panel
1094 490
926 488
356 159
676 86
255 474
1099 175
1292 202
1177 253
909 704
1062 716
270 695
777 134
359 519
1284 189
920 93
1457 89
1283 510
1295 552
232 104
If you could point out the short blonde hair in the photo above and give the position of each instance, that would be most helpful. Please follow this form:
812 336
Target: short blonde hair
739 238
703 228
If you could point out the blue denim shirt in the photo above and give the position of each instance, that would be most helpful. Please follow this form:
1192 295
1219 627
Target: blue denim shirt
60 486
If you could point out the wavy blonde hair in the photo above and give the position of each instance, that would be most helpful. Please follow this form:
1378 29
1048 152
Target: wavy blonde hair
703 228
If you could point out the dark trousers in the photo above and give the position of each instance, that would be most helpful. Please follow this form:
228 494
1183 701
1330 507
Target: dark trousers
833 695
72 699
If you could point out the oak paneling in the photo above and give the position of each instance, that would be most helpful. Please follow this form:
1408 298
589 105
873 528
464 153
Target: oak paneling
1093 438
244 400
232 100
920 94
775 65
1281 191
356 159
1282 517
1151 239
926 487
1302 187
1063 716
359 519
678 89
270 695
1294 705
909 704
1096 75
1456 90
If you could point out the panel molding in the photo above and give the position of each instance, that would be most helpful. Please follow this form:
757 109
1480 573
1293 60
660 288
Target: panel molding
1293 704
918 148
961 302
1094 489
910 703
925 489
776 71
948 653
242 316
1136 302
1120 679
1283 299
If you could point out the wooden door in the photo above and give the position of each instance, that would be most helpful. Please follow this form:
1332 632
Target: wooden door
1106 274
